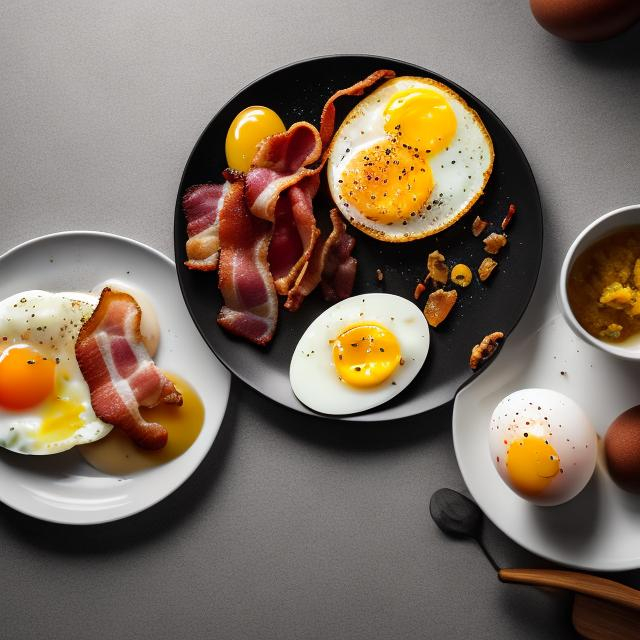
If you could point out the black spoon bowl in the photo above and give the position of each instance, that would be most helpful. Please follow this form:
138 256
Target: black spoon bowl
459 516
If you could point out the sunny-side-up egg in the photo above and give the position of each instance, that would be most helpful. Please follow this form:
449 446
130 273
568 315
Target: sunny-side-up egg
543 445
250 127
409 160
359 353
45 405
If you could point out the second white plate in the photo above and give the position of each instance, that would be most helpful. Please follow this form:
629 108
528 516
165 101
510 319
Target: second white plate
63 487
600 528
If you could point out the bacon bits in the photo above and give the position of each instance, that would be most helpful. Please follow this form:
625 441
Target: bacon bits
507 219
379 275
494 242
419 290
119 371
436 267
478 226
439 305
486 268
483 351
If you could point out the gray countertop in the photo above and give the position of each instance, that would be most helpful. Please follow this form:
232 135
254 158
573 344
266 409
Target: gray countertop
293 527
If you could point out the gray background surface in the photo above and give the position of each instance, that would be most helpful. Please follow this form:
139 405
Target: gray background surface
292 527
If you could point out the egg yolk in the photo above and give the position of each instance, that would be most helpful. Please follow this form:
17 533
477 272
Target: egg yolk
532 463
366 354
386 182
60 420
248 129
27 378
117 454
420 118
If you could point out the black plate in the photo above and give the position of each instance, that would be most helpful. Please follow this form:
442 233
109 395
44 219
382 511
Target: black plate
298 92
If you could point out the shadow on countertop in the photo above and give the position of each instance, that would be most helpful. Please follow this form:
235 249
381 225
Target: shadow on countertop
620 52
355 437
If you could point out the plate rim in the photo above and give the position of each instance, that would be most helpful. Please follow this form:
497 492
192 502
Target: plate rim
177 241
127 513
600 566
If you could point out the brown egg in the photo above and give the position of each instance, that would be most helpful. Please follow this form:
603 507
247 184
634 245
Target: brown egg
622 450
586 20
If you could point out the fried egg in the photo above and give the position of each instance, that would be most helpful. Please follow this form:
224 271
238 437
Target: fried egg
409 160
359 353
543 445
45 405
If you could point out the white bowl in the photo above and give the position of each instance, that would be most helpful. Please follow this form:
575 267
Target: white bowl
609 223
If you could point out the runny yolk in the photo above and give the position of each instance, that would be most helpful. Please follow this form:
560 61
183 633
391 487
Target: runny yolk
421 119
532 463
386 182
248 129
116 454
366 354
27 378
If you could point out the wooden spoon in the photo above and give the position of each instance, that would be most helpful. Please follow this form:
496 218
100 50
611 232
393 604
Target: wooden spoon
602 608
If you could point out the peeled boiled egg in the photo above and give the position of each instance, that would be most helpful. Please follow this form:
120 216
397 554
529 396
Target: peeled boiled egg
359 353
543 445
250 127
45 404
409 160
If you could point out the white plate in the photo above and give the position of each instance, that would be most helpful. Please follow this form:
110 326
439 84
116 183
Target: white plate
64 488
600 528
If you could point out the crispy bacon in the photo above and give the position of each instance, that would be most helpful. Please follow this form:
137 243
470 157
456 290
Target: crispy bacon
282 182
250 303
201 205
294 233
339 271
281 162
331 264
119 371
328 118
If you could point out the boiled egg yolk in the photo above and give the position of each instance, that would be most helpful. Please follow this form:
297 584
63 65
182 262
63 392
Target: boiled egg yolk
27 378
386 182
117 454
366 354
421 119
532 463
250 127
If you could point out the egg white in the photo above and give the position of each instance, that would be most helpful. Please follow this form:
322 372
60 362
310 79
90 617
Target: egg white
48 322
560 421
460 172
313 375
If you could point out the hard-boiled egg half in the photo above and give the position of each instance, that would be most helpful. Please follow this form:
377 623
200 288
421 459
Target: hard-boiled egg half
359 353
409 160
543 445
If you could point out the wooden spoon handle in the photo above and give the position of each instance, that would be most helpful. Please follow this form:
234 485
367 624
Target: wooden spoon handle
573 581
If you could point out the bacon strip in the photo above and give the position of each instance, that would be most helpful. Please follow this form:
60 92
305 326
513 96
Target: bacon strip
119 372
281 162
250 302
331 263
328 117
201 205
282 167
